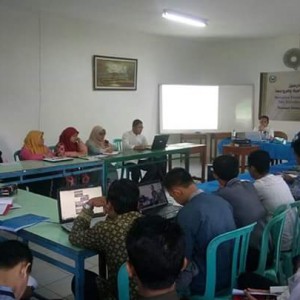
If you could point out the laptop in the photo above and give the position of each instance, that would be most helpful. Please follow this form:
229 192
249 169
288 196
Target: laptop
55 159
153 201
254 136
159 142
70 203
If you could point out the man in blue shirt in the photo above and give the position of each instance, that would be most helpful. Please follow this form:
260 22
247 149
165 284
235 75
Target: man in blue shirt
203 217
15 266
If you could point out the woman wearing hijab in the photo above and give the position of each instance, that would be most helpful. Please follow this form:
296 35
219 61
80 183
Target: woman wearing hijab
97 144
34 148
70 144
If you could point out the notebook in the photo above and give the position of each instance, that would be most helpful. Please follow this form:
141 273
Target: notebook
70 203
153 201
57 159
159 142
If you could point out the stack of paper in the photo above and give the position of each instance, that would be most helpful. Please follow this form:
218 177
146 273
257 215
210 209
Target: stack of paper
5 204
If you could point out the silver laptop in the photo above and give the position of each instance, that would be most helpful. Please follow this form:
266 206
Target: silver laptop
153 201
254 136
159 142
71 201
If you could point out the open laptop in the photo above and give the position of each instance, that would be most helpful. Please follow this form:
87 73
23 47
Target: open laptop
153 201
70 203
254 136
159 142
55 159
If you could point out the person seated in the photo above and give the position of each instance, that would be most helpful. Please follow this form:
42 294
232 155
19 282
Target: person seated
134 140
202 218
294 183
263 127
35 149
242 196
15 267
107 237
155 249
273 192
70 144
97 144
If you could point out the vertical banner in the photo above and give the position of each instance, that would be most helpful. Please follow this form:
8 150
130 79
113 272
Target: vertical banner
280 95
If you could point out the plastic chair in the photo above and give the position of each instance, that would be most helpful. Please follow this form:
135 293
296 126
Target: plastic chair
123 283
118 145
240 241
274 230
287 256
17 155
280 134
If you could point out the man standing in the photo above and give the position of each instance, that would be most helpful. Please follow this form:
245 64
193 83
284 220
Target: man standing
134 140
203 217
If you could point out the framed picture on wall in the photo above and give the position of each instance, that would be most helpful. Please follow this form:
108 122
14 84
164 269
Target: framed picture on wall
114 73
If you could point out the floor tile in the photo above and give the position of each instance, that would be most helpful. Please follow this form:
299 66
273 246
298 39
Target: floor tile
62 286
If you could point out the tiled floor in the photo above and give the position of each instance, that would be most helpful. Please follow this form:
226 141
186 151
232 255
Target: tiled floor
55 283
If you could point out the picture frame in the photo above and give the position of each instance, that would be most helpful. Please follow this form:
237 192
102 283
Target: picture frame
114 73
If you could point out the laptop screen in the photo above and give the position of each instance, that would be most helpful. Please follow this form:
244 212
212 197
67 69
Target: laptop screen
71 201
151 195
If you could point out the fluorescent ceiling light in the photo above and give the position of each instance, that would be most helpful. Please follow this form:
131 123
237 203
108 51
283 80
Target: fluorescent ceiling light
183 18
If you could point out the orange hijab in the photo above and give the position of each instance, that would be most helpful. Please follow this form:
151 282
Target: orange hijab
32 142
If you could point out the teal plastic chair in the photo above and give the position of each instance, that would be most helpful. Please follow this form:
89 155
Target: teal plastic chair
17 155
123 283
287 256
273 229
120 165
240 239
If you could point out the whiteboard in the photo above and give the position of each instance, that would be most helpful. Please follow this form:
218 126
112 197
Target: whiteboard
194 108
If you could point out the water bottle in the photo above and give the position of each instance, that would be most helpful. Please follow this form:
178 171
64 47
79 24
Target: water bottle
233 134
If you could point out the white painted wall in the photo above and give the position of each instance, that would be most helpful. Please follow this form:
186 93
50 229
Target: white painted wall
46 74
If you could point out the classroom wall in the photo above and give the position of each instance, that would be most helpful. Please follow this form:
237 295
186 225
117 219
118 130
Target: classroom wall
46 74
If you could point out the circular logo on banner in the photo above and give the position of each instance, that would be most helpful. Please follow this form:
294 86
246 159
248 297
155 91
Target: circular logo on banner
272 78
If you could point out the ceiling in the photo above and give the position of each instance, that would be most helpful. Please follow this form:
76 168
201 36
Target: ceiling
227 18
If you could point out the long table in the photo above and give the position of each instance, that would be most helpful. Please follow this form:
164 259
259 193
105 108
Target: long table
184 149
39 170
50 235
31 171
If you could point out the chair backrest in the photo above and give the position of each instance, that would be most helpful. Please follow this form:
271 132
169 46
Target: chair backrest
296 233
17 155
118 144
280 134
123 283
273 229
240 242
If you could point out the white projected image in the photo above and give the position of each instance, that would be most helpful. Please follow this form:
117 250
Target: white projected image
188 107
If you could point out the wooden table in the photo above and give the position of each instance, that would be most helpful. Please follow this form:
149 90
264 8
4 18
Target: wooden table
240 152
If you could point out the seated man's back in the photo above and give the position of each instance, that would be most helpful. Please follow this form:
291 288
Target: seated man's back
202 218
242 195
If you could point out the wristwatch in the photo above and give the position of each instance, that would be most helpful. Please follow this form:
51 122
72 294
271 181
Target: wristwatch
87 206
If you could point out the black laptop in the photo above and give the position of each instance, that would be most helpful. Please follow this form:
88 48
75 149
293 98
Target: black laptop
159 142
71 201
153 201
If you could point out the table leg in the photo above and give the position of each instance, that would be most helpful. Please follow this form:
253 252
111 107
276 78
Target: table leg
79 278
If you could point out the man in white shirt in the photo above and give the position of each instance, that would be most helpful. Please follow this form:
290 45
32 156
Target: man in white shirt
134 140
263 127
273 192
